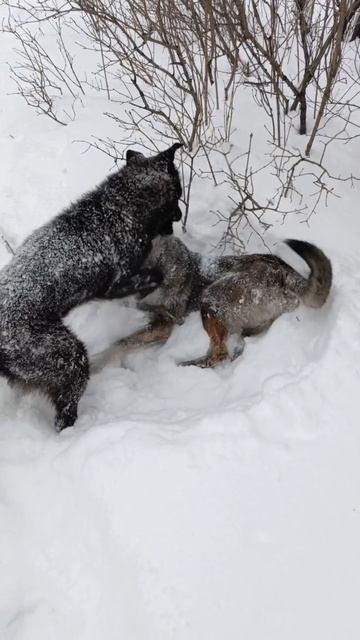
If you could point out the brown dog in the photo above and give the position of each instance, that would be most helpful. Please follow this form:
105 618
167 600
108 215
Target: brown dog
235 294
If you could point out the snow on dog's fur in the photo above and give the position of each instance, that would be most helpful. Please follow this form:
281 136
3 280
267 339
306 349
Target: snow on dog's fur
88 251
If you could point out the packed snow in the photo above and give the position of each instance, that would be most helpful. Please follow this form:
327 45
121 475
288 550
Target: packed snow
185 504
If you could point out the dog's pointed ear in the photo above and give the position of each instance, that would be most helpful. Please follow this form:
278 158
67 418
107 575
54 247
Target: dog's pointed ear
170 153
165 159
134 157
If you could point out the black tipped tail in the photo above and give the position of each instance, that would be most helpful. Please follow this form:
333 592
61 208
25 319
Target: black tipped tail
319 282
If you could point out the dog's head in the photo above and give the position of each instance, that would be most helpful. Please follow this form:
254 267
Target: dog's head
160 184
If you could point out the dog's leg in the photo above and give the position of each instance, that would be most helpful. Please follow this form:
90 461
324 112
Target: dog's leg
143 282
217 332
54 361
66 380
66 410
166 314
151 334
255 331
239 348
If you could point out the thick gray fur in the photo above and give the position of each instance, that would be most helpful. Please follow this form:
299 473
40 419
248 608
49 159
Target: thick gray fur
90 250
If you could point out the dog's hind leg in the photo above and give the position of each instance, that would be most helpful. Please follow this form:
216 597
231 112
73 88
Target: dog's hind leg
257 330
153 333
68 379
217 332
54 361
174 314
239 348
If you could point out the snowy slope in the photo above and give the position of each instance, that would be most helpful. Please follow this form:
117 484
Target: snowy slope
185 504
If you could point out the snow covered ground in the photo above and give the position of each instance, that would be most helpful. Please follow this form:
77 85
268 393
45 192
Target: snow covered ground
185 504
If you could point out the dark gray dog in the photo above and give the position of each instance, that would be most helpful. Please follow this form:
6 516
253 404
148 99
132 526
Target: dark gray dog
91 250
235 294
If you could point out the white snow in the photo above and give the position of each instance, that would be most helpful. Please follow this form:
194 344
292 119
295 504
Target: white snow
186 504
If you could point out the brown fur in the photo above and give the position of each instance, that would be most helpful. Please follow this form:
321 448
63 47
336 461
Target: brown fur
217 332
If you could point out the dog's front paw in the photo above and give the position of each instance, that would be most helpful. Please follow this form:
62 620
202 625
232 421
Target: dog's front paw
205 362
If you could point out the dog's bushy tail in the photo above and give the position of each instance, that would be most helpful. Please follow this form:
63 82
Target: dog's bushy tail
318 284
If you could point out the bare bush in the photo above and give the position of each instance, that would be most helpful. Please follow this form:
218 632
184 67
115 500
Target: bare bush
168 68
248 215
